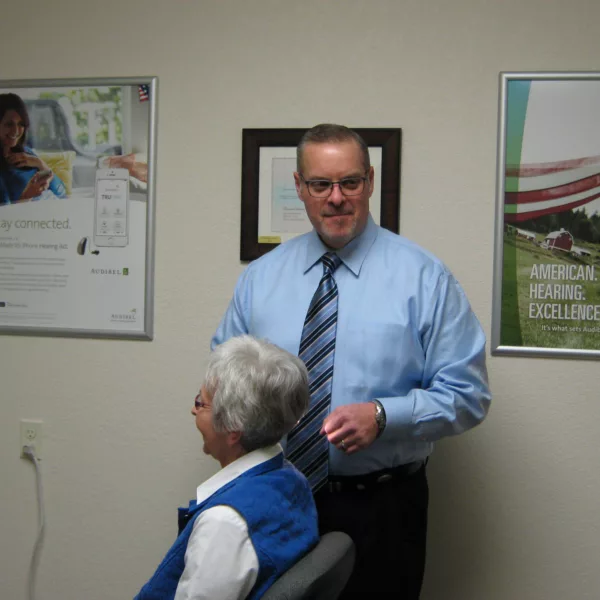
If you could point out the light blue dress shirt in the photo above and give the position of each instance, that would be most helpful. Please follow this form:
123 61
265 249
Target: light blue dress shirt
406 335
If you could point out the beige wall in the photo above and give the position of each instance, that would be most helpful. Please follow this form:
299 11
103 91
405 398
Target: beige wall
514 503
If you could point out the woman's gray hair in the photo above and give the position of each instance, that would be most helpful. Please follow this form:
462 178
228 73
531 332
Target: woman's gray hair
257 389
331 133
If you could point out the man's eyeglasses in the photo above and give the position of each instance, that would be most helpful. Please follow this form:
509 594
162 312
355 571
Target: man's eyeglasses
198 403
322 188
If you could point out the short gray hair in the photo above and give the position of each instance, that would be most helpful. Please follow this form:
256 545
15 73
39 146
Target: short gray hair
257 389
331 133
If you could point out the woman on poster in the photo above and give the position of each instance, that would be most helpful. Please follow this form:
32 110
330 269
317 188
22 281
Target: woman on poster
24 176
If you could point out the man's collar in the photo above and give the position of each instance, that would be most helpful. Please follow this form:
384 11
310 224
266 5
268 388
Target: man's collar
352 254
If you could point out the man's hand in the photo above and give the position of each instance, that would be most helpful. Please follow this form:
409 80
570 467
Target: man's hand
136 169
353 424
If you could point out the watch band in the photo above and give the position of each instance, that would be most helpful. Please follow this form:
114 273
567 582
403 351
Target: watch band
380 417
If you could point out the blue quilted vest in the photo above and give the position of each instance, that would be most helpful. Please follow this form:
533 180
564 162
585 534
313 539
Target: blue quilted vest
277 504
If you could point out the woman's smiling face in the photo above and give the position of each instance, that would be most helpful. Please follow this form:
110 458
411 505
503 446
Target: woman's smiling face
12 129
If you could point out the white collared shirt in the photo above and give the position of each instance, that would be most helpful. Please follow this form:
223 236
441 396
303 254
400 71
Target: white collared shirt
220 560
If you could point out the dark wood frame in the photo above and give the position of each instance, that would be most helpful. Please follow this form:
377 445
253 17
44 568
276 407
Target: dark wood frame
389 139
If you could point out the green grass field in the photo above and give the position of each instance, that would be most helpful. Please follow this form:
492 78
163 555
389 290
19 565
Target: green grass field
518 328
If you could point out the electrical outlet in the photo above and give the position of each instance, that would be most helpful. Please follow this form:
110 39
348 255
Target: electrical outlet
31 435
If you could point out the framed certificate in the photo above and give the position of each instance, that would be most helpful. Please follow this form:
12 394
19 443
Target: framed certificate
271 210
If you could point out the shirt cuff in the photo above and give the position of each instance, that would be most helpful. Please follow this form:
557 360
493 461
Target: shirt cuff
399 417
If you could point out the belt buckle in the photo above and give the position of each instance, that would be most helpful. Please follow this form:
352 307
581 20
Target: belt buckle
334 486
383 478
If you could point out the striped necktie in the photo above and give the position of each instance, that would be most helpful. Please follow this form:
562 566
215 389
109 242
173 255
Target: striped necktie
306 447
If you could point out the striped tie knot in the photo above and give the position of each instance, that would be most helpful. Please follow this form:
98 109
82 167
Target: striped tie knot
331 261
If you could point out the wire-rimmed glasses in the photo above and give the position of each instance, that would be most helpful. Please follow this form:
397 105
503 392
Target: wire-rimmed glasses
323 188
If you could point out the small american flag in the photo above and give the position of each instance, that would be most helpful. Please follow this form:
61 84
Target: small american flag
144 91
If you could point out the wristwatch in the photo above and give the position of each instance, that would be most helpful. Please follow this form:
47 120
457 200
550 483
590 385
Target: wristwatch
380 417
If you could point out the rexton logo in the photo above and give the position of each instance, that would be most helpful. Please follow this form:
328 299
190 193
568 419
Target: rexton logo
124 271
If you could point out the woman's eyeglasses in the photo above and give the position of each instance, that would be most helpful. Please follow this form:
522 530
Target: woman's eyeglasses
198 403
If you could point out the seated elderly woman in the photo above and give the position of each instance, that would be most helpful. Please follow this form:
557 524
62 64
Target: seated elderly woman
256 517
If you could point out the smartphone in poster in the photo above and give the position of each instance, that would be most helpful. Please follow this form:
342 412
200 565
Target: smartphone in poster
111 212
77 207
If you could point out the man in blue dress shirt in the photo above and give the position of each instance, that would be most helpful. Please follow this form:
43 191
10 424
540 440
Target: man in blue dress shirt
409 366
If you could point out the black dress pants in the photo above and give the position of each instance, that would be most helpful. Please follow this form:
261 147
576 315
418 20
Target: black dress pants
388 523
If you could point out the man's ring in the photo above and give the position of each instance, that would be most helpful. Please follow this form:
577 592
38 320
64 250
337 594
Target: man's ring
343 445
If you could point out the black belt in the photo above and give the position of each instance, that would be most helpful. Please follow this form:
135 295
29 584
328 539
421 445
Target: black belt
371 480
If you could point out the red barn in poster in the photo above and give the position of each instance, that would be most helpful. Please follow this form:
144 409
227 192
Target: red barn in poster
561 240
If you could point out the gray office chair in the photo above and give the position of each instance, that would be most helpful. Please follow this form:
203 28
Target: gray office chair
321 574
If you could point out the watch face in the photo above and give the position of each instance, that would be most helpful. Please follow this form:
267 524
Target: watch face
379 417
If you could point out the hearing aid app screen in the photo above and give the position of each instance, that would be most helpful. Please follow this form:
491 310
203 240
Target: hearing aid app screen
111 212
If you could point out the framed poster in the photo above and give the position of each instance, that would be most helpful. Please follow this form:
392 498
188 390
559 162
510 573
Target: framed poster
547 241
77 171
271 210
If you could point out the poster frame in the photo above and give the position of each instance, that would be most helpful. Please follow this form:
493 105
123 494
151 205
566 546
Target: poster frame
501 282
147 88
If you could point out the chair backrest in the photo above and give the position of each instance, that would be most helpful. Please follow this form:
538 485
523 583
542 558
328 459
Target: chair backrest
319 575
